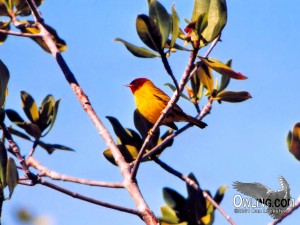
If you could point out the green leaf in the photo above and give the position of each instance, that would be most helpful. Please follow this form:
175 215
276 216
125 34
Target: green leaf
175 26
200 7
12 176
60 43
14 116
233 96
161 17
124 136
23 8
293 141
46 111
217 18
163 137
129 152
225 79
4 26
205 76
31 129
220 193
222 68
149 32
173 88
3 165
201 24
19 134
30 108
197 88
176 201
138 51
168 215
4 77
52 115
50 148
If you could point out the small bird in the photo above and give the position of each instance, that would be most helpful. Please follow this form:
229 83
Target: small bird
276 201
150 102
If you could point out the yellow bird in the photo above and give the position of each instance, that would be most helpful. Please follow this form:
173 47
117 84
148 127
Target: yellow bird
150 102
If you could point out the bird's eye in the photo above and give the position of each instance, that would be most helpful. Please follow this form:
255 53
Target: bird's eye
134 83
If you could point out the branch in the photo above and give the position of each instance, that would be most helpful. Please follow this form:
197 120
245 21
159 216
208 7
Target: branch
288 212
57 176
170 104
169 70
129 184
193 184
9 32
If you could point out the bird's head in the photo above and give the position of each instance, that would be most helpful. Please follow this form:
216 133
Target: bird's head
137 84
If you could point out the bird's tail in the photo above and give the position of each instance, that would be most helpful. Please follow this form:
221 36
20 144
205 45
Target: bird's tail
196 122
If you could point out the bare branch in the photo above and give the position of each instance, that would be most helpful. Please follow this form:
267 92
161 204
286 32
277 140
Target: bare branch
57 176
9 32
288 212
195 186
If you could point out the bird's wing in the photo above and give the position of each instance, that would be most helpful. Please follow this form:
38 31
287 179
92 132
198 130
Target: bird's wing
283 183
254 190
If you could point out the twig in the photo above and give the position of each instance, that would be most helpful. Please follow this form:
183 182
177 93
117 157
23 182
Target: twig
9 32
87 199
193 184
35 143
205 111
43 171
170 104
25 183
288 212
130 185
169 70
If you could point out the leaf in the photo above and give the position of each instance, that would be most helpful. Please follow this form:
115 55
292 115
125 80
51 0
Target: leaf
149 32
19 134
46 111
225 79
60 43
217 18
168 144
168 215
208 219
205 76
200 7
176 201
3 9
129 152
31 129
14 116
50 148
12 176
197 88
201 24
222 68
176 46
30 108
23 8
53 115
175 26
220 194
138 51
125 137
4 77
293 141
161 17
233 96
4 26
3 165
173 88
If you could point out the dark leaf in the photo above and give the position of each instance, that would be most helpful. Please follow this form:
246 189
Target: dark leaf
12 176
31 129
197 88
129 152
176 201
149 32
13 116
30 107
138 51
4 77
19 134
3 9
23 8
161 17
220 194
53 115
3 165
168 144
233 96
50 148
4 26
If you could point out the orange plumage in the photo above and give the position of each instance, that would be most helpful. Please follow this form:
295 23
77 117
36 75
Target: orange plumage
150 102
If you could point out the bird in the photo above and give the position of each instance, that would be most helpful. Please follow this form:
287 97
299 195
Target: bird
151 101
276 201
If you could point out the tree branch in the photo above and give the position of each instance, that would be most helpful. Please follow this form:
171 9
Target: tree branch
288 212
195 186
43 171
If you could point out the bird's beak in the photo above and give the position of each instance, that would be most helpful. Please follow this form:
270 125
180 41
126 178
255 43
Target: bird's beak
127 85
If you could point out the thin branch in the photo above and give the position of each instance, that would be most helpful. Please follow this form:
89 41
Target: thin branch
288 212
87 199
9 32
169 70
35 143
170 104
193 184
35 11
43 171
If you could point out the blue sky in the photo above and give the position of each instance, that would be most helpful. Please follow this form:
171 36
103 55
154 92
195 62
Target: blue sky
244 142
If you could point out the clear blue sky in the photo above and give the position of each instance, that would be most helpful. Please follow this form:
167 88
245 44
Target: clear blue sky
244 142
